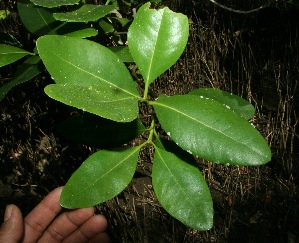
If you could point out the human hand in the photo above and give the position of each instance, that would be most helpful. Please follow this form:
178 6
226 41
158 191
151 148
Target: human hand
43 224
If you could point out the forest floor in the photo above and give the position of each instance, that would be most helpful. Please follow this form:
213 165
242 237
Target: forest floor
255 56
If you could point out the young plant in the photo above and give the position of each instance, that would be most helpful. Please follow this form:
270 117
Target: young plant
206 123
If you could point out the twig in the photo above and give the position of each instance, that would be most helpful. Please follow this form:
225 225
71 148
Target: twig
237 11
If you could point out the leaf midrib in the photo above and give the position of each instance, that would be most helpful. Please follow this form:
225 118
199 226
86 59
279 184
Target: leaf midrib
93 75
181 188
147 81
203 124
113 168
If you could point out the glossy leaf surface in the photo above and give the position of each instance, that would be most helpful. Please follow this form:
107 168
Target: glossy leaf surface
156 39
182 191
28 70
10 54
102 101
86 13
37 20
84 33
93 78
54 3
100 177
206 129
228 100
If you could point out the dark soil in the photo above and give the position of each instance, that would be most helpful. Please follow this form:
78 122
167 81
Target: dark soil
253 55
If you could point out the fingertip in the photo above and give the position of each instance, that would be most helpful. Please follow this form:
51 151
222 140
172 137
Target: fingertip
101 221
12 228
8 212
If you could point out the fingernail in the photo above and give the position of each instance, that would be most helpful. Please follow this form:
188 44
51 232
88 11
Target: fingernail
8 211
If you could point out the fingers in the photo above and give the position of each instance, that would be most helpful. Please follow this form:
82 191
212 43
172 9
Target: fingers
41 216
12 229
91 231
80 225
66 224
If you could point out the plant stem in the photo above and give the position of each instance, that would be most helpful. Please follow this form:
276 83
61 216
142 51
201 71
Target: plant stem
152 131
145 90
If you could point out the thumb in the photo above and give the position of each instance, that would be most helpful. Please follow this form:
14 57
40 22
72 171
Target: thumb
12 228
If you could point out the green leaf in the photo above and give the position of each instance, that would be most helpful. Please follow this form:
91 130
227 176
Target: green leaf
122 52
88 12
182 191
10 54
4 14
90 77
93 130
156 39
205 128
228 100
37 20
101 177
28 70
54 3
102 101
122 21
84 33
106 26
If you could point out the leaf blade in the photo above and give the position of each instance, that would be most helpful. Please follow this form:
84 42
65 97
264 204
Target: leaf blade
86 13
182 190
229 100
90 71
37 20
207 129
107 103
84 62
157 35
54 3
100 177
10 54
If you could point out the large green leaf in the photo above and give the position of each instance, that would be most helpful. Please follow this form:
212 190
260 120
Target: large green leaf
156 39
88 12
228 100
37 20
102 101
101 177
28 70
182 191
10 54
54 3
205 128
95 131
89 77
